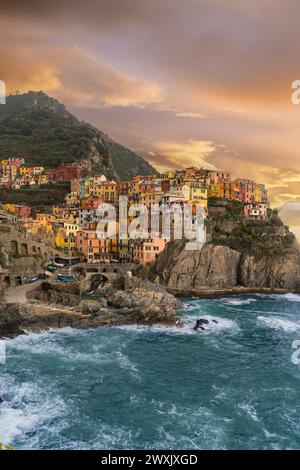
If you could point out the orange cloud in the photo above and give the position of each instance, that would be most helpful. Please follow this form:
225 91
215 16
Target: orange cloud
169 155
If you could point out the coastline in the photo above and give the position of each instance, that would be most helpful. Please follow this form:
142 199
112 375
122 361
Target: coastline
227 292
127 373
38 316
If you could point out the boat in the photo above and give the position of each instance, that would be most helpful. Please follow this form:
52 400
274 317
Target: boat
63 278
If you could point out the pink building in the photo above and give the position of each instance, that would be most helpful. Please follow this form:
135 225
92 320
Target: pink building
146 251
257 211
16 162
23 211
247 190
217 177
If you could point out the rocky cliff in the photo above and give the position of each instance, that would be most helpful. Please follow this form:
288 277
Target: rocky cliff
239 253
45 133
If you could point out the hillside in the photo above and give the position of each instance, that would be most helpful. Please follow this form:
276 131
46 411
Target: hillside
238 253
40 129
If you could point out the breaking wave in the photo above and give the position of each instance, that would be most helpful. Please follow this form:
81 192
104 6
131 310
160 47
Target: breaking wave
140 387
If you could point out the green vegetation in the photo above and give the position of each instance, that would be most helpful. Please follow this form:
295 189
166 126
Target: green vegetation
47 195
265 238
41 130
234 209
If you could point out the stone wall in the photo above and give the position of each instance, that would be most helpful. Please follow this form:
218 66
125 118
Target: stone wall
21 256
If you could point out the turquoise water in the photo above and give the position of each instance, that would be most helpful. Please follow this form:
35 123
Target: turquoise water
233 386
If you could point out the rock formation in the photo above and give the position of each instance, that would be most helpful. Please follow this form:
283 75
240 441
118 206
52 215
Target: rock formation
239 253
123 301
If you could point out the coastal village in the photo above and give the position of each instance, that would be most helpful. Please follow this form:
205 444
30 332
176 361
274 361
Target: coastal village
71 226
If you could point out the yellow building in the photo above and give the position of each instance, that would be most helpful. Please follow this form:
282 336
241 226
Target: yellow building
229 190
10 208
214 190
23 170
42 179
4 163
107 192
72 199
150 198
65 242
71 228
195 193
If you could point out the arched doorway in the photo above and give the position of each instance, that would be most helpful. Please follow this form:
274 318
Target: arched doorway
7 281
18 281
14 250
24 249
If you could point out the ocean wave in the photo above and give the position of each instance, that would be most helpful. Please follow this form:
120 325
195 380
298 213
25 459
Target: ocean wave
249 410
54 344
291 297
216 324
189 427
223 324
279 323
239 301
26 407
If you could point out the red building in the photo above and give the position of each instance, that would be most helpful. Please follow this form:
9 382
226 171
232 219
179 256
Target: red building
16 162
70 171
22 211
247 190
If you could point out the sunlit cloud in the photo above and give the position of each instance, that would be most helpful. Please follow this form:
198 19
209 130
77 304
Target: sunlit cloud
182 83
168 155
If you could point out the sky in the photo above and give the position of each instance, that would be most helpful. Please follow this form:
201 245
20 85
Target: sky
193 82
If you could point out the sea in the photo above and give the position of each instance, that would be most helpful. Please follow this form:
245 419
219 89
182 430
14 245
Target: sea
235 385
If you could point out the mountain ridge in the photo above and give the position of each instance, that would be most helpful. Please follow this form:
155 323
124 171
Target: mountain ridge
44 132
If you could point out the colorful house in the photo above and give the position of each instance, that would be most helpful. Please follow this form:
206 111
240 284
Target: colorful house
257 211
147 251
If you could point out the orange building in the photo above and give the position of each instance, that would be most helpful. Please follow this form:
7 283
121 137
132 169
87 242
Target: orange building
146 251
94 248
230 190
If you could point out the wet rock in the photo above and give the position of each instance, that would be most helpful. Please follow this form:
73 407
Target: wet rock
57 305
201 323
58 293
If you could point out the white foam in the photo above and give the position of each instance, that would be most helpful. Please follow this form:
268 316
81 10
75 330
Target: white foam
250 410
26 407
291 297
279 323
188 328
209 429
216 324
239 301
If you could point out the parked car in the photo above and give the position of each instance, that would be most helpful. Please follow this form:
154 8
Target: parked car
32 279
51 268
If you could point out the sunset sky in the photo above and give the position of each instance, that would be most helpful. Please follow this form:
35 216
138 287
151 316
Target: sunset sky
193 82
